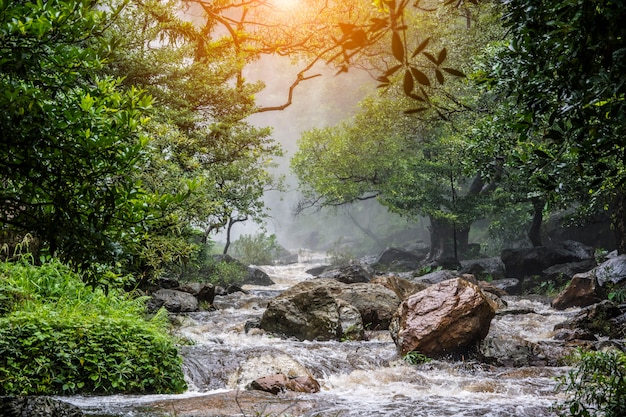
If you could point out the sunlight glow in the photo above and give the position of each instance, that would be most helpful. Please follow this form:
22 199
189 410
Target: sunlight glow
285 4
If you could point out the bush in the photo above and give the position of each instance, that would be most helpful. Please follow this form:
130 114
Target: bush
259 249
596 386
58 336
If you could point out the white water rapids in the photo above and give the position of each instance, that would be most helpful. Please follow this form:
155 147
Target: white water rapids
357 378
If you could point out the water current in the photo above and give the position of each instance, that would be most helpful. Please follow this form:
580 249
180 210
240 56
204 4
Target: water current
357 378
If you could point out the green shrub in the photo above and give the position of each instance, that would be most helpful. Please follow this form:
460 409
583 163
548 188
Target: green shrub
415 358
259 249
596 386
225 273
58 336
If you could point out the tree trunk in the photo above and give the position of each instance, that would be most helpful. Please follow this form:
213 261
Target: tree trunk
618 219
534 232
442 244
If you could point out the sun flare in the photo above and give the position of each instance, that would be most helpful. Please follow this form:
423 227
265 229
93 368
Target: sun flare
285 4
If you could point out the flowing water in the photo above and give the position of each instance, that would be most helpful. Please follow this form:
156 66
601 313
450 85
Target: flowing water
364 378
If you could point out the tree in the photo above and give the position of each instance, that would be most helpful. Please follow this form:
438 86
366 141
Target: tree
565 71
414 165
71 139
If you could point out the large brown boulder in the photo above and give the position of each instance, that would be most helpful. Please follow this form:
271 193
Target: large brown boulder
278 383
348 274
582 291
446 318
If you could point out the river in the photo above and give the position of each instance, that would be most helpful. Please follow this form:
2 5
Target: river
358 378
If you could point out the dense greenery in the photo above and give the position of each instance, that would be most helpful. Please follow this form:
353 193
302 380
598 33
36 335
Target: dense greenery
58 336
596 386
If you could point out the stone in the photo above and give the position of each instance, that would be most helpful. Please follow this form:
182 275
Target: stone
176 301
526 262
311 310
375 303
612 272
278 383
349 274
484 268
403 288
435 277
39 406
202 291
258 277
448 318
510 350
582 291
397 259
604 319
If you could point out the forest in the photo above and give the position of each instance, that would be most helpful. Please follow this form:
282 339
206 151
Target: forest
127 147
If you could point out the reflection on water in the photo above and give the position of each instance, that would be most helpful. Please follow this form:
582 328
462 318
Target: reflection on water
365 378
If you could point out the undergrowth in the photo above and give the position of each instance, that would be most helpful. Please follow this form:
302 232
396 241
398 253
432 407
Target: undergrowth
59 336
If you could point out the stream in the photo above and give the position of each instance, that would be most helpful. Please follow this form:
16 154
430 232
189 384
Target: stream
358 378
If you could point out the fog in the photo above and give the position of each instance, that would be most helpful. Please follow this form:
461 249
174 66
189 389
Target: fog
318 102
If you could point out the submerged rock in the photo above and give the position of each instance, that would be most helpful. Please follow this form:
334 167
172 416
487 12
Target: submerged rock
39 406
447 318
278 383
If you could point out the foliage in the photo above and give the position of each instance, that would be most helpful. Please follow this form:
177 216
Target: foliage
415 358
225 273
339 255
71 138
596 386
259 249
564 72
58 336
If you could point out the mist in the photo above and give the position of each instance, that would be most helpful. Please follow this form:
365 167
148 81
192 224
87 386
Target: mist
319 102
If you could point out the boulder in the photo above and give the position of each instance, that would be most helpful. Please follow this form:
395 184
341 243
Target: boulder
278 383
509 350
484 268
39 406
612 272
563 273
396 259
176 301
448 318
348 274
375 303
582 291
258 277
202 291
403 288
525 262
435 277
605 319
312 310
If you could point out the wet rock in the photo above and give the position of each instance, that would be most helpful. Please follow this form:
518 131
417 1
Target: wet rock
525 262
568 335
582 291
509 285
38 406
490 287
258 277
202 291
561 274
447 318
317 270
233 288
312 310
602 319
375 303
509 350
176 301
349 274
435 277
403 288
278 383
484 268
396 259
612 272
